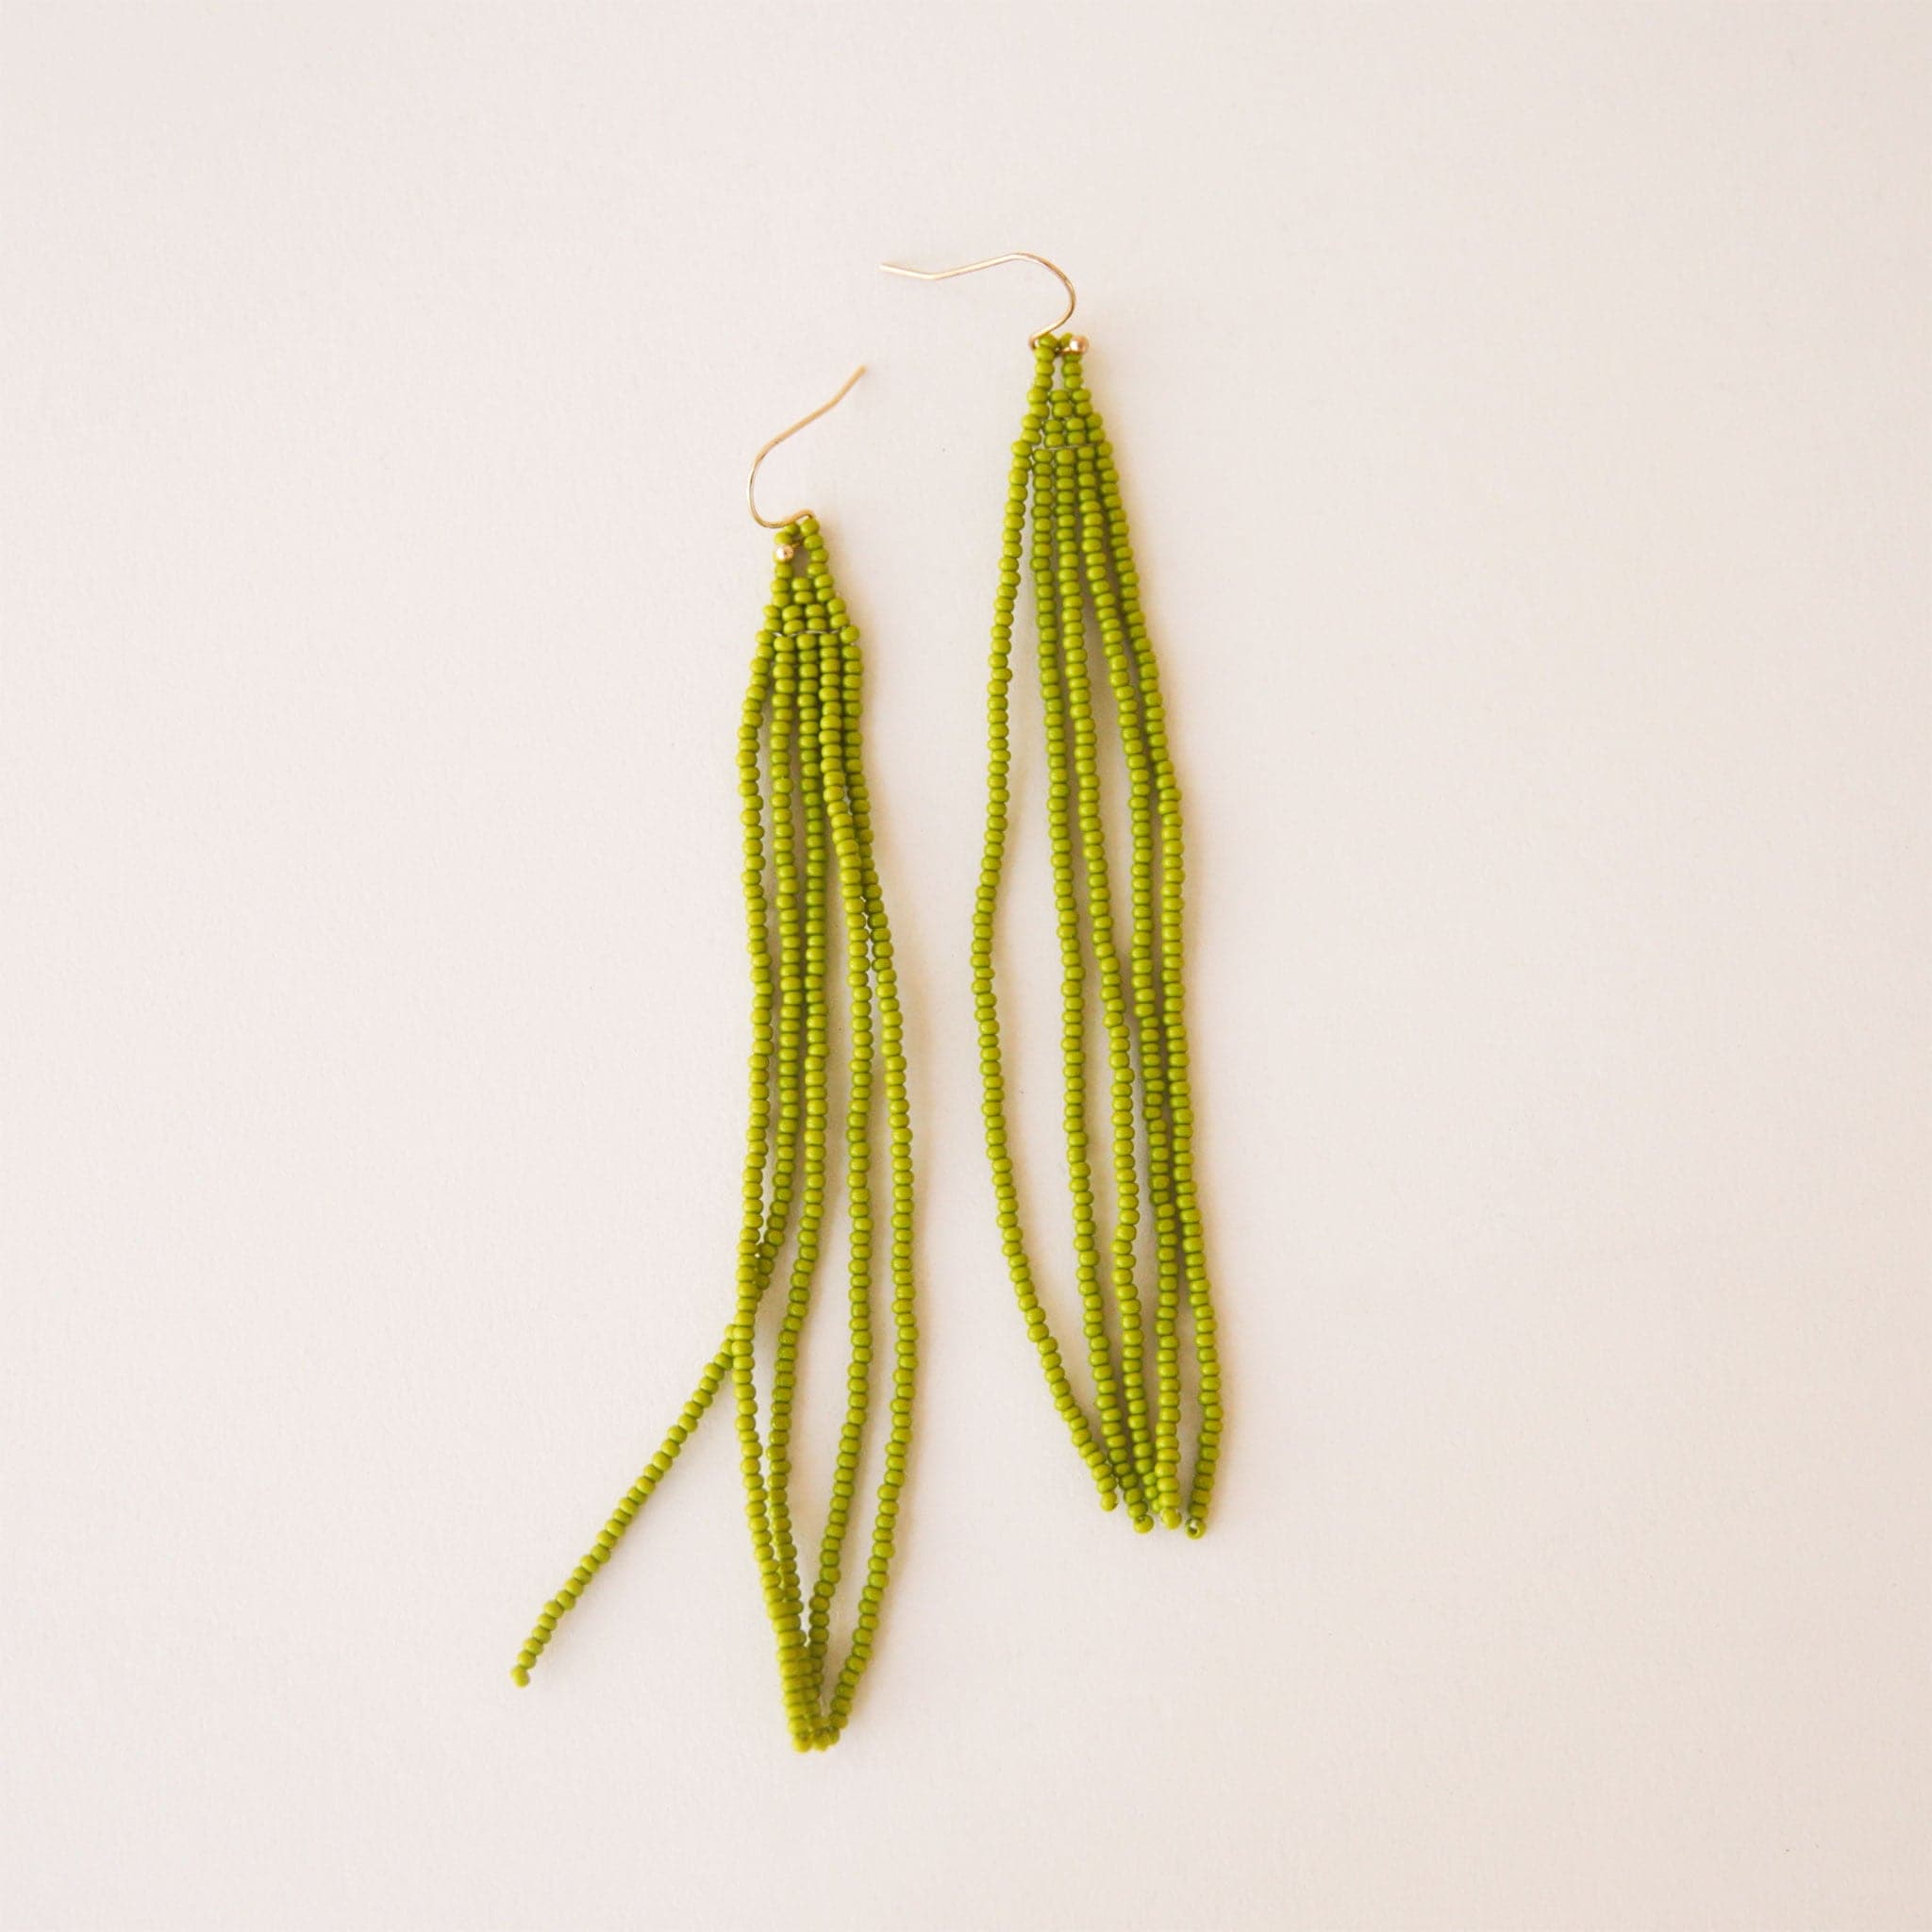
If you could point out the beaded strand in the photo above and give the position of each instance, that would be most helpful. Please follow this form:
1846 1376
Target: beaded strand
800 728
1080 556
986 1005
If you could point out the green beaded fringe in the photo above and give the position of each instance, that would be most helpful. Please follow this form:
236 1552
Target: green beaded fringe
804 705
1081 562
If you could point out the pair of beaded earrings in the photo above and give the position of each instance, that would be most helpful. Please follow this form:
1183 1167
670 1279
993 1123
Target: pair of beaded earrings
809 880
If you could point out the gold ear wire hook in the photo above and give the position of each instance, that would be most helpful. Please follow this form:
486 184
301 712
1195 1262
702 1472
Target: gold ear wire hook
946 274
751 482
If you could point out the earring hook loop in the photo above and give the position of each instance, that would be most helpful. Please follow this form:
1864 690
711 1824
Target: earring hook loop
751 482
946 274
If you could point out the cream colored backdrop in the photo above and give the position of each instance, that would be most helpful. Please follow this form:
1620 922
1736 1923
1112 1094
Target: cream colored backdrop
1525 413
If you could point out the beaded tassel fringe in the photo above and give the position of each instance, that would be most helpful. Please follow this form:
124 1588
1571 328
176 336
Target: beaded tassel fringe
1076 547
803 707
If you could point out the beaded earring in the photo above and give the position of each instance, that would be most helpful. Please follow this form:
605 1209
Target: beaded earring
799 739
1064 512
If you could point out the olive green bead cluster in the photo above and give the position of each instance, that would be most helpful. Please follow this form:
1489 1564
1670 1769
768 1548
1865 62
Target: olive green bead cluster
811 885
1067 530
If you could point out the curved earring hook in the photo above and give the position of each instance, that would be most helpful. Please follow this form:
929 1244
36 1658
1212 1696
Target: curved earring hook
946 274
751 482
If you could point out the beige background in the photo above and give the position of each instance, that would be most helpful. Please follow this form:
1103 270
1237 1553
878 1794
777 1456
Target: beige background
1526 416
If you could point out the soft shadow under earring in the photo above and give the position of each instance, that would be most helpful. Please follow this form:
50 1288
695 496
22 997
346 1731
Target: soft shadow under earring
808 883
1081 562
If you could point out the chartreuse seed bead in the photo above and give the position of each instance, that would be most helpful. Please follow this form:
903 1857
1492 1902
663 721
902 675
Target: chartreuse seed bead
1170 971
1064 524
1133 1454
1049 617
984 907
1162 1480
799 741
794 723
